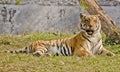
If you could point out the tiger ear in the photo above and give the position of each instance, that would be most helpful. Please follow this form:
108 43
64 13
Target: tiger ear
82 15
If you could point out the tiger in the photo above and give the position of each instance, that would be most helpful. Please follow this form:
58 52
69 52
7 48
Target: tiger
88 42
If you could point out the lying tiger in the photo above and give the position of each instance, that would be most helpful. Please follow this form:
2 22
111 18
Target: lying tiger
88 42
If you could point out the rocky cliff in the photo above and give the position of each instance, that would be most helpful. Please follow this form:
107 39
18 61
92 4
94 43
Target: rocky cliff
44 15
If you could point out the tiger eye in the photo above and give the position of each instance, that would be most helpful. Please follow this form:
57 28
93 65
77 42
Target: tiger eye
86 19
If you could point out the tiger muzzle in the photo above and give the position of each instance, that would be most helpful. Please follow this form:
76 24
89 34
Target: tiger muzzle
90 32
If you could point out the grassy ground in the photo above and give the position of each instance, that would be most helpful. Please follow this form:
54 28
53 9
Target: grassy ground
29 63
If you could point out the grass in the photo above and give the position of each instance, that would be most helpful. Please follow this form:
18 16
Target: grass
29 63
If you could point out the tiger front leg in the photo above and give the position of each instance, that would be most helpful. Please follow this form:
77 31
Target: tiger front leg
82 52
107 52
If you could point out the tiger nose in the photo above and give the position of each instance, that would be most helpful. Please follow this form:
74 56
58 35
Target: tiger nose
90 25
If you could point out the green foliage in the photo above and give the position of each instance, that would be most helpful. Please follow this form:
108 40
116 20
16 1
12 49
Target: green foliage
110 42
83 4
18 2
1 1
46 36
103 37
7 2
107 41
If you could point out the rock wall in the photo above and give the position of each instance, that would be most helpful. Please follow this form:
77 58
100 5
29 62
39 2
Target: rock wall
45 15
39 15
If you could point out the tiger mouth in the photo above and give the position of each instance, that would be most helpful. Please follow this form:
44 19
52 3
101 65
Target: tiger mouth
89 32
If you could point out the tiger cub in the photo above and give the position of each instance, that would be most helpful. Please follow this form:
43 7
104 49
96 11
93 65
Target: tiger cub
88 42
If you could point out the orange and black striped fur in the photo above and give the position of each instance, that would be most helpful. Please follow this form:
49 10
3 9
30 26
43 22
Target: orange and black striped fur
88 42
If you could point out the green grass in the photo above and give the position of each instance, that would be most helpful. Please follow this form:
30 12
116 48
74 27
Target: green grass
29 63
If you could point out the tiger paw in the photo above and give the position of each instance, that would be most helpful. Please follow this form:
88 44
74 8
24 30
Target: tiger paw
48 54
38 53
110 54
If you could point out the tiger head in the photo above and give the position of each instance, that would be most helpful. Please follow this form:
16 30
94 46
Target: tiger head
90 24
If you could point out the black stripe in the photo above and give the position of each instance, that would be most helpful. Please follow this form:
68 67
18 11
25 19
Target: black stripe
16 51
65 51
60 45
61 49
97 28
20 51
86 38
82 46
100 52
26 50
61 52
99 47
97 43
82 27
57 54
57 47
72 50
11 51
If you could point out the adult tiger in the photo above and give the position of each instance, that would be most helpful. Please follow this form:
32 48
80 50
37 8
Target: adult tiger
88 42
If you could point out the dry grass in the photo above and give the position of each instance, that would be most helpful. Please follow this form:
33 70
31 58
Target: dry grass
29 63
